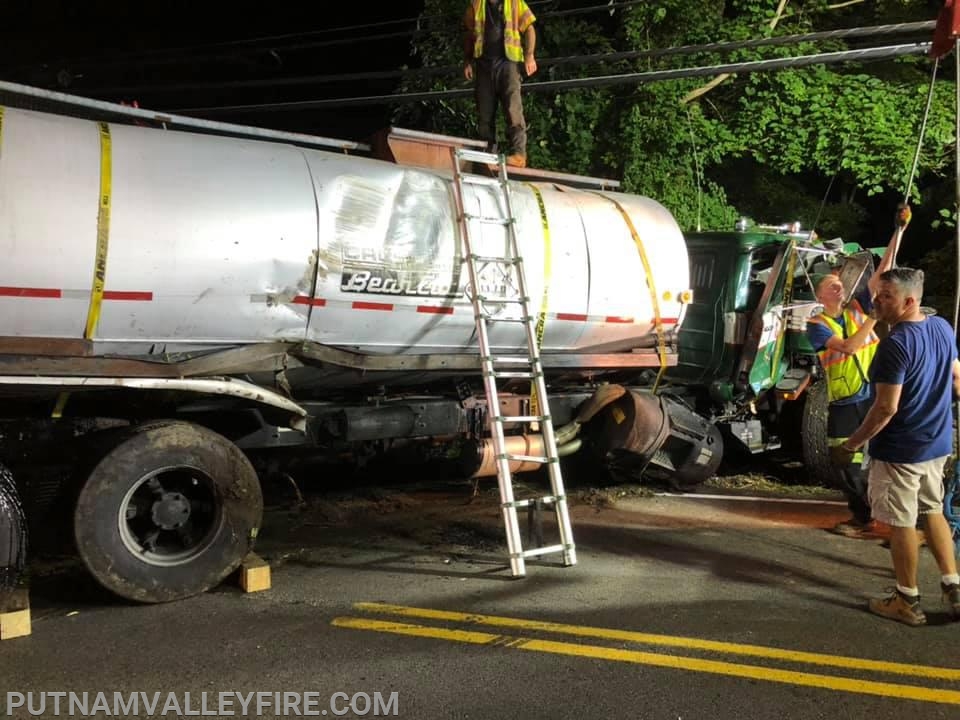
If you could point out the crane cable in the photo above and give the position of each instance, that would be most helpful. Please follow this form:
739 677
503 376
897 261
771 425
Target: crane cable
953 485
901 226
956 172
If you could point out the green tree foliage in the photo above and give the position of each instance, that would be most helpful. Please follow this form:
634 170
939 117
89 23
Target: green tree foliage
763 144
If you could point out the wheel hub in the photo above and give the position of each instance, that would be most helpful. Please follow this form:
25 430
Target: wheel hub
171 511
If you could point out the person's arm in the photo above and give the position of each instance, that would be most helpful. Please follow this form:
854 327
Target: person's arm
848 346
886 262
901 221
884 407
530 45
469 41
956 379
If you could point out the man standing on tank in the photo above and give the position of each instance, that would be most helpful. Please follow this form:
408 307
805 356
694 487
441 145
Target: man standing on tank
493 54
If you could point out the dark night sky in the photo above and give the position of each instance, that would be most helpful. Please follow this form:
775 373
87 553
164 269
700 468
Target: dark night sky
113 50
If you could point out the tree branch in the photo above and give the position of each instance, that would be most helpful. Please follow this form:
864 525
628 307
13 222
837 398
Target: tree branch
704 89
837 6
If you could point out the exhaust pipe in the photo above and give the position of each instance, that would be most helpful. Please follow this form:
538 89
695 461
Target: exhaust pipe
517 445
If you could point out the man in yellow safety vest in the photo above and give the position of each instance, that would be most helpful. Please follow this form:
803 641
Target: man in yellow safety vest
493 54
845 342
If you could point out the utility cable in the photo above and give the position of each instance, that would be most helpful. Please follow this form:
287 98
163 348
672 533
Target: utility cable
588 59
923 130
860 55
181 55
696 167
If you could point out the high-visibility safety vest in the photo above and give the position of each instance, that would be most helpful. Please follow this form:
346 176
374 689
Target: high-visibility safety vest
517 18
845 373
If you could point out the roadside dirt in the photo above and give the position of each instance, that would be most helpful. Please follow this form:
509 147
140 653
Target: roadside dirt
452 518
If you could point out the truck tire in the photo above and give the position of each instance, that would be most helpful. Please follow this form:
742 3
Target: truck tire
13 533
168 512
813 436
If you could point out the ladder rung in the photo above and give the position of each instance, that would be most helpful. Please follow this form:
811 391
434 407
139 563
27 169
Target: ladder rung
491 318
548 499
481 180
502 300
496 259
520 418
543 460
521 374
480 156
537 552
489 219
510 359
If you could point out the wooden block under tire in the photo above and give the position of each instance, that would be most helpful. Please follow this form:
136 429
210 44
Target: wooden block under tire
14 615
254 574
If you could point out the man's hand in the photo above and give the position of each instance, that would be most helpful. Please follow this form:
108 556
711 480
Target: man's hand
468 70
530 65
903 215
841 456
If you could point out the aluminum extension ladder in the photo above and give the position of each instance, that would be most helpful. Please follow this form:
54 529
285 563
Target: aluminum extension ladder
508 267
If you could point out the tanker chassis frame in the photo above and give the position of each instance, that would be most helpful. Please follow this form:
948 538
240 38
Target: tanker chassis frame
163 462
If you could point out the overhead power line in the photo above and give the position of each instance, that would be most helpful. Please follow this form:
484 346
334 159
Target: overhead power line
191 54
863 54
439 71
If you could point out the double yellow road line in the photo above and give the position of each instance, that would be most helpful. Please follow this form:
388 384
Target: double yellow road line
678 662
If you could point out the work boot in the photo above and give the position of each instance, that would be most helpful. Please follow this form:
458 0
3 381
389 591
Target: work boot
853 528
951 596
517 160
899 607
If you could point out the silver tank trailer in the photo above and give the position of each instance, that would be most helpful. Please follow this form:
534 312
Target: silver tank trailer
209 241
147 260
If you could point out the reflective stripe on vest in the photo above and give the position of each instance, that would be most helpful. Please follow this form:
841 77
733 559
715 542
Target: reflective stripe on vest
844 376
517 18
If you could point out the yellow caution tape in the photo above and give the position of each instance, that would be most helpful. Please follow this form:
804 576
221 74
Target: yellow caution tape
787 299
103 233
657 318
547 271
60 405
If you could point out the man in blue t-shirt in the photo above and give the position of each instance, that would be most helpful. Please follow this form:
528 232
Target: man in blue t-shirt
910 428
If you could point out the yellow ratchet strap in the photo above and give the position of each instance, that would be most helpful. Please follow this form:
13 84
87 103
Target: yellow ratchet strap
103 234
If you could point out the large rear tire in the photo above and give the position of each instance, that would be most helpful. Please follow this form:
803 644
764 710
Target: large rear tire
13 532
168 512
813 435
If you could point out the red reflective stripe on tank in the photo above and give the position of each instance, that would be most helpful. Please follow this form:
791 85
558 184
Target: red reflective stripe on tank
435 309
667 321
30 292
304 300
618 319
127 295
359 305
572 317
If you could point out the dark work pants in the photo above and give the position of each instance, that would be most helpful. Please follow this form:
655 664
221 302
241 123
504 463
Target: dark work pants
842 421
498 83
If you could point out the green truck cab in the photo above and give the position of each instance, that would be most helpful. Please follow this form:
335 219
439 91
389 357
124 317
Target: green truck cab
744 358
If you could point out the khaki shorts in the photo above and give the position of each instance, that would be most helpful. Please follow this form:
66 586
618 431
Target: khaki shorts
899 491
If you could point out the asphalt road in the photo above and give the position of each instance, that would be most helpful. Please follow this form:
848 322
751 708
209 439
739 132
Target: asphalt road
677 608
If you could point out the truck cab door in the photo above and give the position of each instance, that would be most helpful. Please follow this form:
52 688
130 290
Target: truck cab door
762 363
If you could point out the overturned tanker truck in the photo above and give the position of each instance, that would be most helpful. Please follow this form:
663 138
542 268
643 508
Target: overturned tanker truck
182 313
